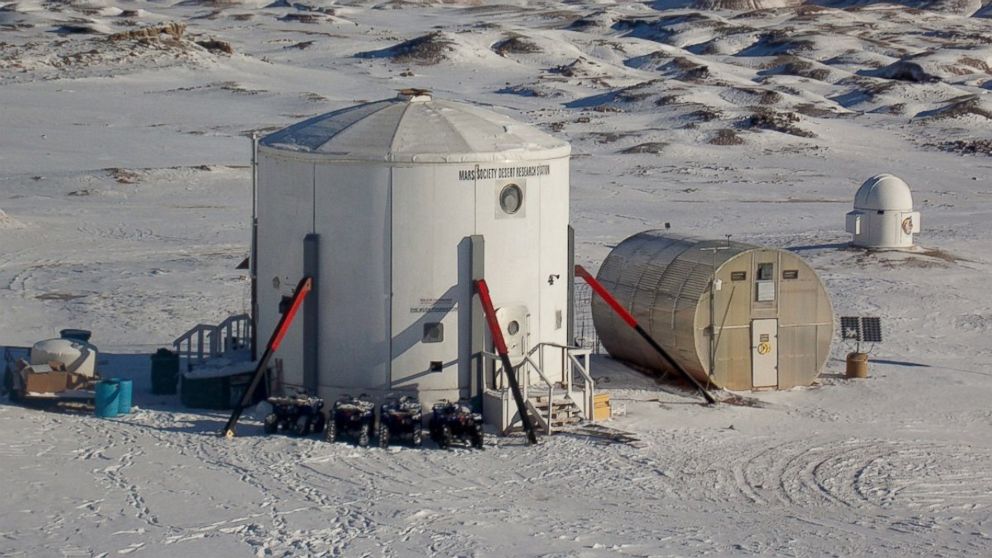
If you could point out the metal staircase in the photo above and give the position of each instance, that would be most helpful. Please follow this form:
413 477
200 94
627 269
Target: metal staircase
205 341
552 403
558 413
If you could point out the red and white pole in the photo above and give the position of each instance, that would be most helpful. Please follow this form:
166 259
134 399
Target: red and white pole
629 319
497 333
302 289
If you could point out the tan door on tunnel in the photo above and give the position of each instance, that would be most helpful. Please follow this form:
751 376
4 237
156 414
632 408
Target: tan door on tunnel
764 353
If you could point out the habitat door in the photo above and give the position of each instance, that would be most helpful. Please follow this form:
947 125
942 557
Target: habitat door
764 353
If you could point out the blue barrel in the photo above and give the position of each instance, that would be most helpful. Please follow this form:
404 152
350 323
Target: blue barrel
124 401
108 394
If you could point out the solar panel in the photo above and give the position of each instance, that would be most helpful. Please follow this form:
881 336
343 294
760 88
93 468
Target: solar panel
871 330
850 328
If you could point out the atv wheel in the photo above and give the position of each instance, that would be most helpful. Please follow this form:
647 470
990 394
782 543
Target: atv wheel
418 436
331 434
302 426
365 435
445 440
477 440
318 424
270 424
383 436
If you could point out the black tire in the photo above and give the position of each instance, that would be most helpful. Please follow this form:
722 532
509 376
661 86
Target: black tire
302 426
271 423
331 434
317 426
365 435
477 439
383 436
418 436
445 441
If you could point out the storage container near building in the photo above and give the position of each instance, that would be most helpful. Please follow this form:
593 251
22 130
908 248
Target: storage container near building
735 316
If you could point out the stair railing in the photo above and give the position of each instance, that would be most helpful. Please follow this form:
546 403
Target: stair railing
551 389
204 341
570 364
235 331
523 378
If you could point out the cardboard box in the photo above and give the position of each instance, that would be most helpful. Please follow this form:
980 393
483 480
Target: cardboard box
40 378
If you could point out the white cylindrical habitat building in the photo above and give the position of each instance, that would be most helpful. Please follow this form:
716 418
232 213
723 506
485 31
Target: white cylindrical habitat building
883 215
384 204
767 323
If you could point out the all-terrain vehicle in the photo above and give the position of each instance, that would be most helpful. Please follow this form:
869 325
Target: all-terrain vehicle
353 417
455 421
401 418
297 414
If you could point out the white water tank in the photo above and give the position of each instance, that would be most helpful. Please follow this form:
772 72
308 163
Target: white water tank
883 215
78 357
386 195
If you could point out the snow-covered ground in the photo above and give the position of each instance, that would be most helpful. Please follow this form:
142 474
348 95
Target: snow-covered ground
124 200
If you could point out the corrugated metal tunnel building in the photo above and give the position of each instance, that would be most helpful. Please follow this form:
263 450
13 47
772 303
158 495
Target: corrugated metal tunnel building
768 322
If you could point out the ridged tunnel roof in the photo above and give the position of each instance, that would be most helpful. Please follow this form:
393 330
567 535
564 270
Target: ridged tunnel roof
416 128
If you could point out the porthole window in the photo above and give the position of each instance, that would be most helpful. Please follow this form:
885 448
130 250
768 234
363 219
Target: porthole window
511 198
513 327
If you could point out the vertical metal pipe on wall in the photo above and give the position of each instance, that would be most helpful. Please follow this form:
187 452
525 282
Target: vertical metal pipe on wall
311 315
477 382
570 303
253 254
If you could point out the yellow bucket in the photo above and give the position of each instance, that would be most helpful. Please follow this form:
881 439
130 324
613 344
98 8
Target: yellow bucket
857 365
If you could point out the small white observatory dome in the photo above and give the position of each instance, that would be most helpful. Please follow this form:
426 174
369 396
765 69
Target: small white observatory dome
883 215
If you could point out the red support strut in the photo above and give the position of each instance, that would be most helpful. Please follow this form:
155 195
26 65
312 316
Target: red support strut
302 289
632 322
497 335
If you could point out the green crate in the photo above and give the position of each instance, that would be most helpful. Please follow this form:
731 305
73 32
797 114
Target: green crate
218 392
165 372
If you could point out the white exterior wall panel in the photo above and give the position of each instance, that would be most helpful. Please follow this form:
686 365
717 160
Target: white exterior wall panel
285 216
433 214
553 261
353 220
512 248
